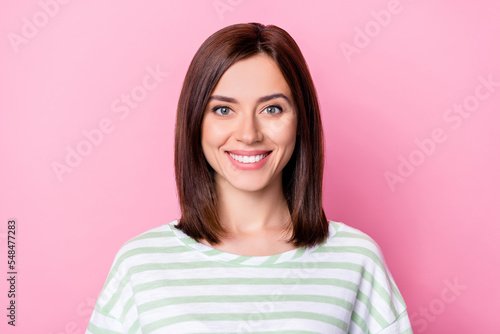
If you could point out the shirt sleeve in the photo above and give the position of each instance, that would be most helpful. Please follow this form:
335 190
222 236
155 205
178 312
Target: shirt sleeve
379 307
115 310
100 322
397 314
400 326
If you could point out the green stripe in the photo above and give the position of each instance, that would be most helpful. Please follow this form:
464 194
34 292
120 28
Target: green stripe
299 252
152 235
373 311
114 299
98 330
271 259
244 281
380 290
128 305
239 259
223 265
239 299
360 322
344 234
377 316
212 252
396 292
406 321
188 240
243 317
273 332
135 327
142 250
353 249
336 226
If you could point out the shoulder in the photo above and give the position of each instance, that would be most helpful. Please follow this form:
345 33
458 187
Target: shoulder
150 237
347 239
353 249
138 249
356 251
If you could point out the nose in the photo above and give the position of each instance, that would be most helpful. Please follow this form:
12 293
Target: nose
248 130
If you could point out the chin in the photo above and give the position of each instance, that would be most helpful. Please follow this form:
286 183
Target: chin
248 186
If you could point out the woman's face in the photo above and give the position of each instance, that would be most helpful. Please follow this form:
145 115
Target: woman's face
249 126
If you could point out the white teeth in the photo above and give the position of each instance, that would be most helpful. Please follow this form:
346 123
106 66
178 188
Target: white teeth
248 159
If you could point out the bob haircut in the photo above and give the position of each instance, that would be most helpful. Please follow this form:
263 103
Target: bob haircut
303 174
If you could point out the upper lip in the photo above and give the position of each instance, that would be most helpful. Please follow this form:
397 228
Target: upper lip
248 153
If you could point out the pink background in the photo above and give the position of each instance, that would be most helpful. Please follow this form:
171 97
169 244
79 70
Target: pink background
437 224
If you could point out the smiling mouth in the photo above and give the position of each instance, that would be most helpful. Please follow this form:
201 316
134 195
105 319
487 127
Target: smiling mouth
248 159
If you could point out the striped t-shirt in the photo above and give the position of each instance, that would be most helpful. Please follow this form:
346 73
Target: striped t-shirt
163 281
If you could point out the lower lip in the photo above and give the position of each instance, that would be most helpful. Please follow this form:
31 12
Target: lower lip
250 165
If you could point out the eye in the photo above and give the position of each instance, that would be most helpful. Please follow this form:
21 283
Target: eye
273 110
222 110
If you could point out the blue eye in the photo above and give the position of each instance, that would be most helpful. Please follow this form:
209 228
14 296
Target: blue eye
273 110
222 110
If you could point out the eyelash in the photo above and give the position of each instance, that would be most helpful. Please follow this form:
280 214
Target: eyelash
270 106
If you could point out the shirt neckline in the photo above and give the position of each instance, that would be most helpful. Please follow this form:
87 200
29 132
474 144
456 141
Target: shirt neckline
242 260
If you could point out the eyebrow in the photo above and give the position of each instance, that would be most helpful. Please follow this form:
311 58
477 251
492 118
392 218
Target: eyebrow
260 100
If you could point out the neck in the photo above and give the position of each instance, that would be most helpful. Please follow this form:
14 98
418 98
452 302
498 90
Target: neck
249 213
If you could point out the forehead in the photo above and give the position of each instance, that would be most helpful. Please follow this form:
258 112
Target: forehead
252 77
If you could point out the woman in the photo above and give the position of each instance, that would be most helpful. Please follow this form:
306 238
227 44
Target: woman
253 250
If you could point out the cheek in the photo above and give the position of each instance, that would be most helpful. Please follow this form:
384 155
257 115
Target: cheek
284 131
213 135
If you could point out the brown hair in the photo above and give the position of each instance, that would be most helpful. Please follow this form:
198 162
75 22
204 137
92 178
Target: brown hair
302 176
